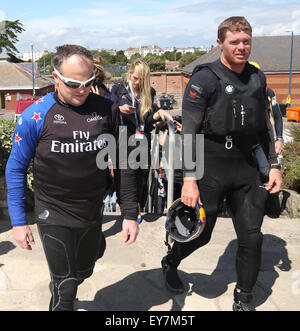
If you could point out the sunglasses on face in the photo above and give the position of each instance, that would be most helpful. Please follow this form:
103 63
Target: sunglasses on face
75 83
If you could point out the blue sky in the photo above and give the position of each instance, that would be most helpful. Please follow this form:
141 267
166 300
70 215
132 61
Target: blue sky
131 23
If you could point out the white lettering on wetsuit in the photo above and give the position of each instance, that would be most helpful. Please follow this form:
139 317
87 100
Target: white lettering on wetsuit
78 146
228 143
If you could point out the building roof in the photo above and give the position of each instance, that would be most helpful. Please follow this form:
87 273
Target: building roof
272 53
4 56
13 77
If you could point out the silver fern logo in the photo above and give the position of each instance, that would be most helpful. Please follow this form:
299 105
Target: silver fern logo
44 215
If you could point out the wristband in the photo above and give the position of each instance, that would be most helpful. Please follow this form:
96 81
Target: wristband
275 166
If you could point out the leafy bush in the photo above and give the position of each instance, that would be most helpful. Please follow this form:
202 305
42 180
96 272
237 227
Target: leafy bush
6 134
291 160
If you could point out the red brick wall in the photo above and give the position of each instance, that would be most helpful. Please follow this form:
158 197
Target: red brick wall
11 105
280 84
171 83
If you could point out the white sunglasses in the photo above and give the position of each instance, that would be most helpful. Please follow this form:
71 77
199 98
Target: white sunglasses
74 83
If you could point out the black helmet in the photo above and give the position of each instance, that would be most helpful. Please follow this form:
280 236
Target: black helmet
184 223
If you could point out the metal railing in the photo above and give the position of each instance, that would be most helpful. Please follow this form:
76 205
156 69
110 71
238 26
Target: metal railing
155 160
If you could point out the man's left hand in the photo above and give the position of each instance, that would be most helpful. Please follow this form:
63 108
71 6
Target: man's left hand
275 181
130 231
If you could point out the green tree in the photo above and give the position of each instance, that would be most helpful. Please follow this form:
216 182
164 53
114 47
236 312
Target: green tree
135 57
106 57
46 61
171 56
155 62
187 59
121 59
8 35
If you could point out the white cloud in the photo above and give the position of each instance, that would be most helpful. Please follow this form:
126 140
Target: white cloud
115 25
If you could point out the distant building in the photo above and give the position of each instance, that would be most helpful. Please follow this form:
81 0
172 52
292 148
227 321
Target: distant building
16 82
153 49
186 50
131 51
110 51
27 56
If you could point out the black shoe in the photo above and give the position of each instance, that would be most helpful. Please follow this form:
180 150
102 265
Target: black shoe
172 280
242 306
242 301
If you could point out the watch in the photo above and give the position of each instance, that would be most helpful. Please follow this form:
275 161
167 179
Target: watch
279 139
275 166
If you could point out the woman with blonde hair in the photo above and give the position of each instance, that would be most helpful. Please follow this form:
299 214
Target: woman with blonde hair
136 100
136 97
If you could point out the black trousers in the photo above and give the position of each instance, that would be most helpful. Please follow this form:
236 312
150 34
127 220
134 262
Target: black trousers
239 182
71 254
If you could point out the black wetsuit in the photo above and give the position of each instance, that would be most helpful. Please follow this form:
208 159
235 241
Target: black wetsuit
121 95
229 171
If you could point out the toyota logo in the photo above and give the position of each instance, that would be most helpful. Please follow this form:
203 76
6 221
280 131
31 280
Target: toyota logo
59 117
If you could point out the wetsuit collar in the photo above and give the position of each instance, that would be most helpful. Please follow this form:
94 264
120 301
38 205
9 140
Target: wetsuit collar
67 105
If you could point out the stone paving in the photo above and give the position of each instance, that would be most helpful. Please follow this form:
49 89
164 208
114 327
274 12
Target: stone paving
130 278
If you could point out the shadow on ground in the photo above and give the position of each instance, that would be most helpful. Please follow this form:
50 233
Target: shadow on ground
144 290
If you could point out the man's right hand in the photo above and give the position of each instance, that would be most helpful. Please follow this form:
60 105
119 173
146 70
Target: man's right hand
190 195
23 236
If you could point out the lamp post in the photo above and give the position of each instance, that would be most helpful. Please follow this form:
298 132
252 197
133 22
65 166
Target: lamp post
32 68
291 69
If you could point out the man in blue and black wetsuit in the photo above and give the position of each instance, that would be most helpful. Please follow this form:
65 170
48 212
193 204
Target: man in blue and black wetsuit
258 152
226 100
64 132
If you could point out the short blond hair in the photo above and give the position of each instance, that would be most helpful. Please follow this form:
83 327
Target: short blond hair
233 24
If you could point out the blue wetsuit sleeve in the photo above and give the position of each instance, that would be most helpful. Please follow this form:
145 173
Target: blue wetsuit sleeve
277 120
25 140
276 113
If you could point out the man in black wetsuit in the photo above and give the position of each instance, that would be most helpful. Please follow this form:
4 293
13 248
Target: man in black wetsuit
226 100
64 132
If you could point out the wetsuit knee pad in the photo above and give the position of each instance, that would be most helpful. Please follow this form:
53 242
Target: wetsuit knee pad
63 294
